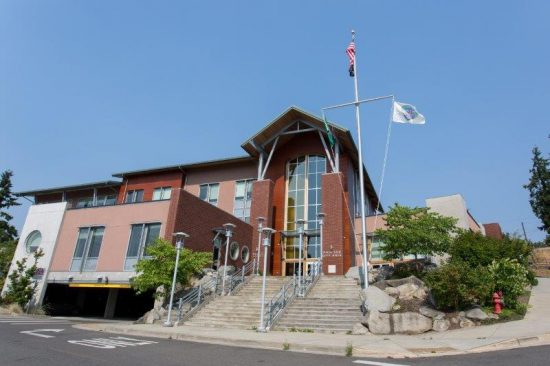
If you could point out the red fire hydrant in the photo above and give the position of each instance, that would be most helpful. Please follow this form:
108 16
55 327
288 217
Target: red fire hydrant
497 303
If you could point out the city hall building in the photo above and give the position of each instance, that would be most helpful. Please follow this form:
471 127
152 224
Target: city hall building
93 234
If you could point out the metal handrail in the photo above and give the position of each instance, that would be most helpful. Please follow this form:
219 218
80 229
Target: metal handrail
238 278
278 303
196 296
309 281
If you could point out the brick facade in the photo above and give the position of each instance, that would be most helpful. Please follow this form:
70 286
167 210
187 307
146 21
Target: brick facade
148 182
262 203
198 219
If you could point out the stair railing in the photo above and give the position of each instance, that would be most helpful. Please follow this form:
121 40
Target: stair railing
311 279
276 305
196 296
236 280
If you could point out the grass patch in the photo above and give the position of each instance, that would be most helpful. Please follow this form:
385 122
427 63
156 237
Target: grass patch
349 350
286 346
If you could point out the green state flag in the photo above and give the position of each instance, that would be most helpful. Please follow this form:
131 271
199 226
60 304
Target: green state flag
329 133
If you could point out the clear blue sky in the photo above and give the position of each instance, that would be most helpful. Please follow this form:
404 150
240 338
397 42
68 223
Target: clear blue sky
89 88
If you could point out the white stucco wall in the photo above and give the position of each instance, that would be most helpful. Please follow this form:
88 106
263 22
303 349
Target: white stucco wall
47 219
453 206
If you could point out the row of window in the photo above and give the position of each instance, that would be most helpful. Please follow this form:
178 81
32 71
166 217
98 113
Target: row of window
243 197
160 193
88 246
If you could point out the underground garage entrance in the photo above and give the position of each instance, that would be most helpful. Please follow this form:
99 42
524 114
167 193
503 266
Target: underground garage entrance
104 302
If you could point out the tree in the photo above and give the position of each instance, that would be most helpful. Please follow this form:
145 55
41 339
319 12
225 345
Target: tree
539 189
158 269
22 287
416 231
7 200
7 250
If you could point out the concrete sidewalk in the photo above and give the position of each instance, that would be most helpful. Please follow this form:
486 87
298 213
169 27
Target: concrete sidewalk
534 329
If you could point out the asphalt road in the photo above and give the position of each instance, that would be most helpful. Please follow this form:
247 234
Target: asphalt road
44 342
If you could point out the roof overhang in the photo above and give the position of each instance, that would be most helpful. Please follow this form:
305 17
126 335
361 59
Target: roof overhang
78 187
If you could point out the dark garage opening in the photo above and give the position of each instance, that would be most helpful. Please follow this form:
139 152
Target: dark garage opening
62 300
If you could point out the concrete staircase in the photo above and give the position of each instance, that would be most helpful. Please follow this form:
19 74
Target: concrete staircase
242 310
332 306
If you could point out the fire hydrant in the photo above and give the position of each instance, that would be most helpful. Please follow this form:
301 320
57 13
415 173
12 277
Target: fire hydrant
497 303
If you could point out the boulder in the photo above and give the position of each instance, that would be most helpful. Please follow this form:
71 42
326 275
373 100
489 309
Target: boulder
476 314
411 323
411 279
229 272
377 322
392 291
455 320
420 294
431 313
466 323
380 274
441 325
407 290
353 272
492 316
378 300
359 329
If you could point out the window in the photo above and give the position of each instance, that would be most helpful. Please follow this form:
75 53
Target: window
33 241
162 193
304 202
245 254
209 193
376 251
106 200
243 198
134 196
141 236
234 250
85 202
88 246
357 193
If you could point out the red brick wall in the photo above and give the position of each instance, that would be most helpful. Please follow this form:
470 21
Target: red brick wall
198 219
148 182
261 206
335 249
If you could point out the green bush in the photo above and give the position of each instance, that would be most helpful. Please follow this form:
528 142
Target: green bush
510 277
410 268
456 286
476 250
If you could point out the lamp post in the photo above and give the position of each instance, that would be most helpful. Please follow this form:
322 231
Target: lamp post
260 227
180 236
228 234
321 217
267 242
301 223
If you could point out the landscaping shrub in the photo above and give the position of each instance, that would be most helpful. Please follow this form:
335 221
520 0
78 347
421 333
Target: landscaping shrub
412 268
456 286
476 250
511 277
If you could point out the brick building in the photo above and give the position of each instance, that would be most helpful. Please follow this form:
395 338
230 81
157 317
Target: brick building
93 234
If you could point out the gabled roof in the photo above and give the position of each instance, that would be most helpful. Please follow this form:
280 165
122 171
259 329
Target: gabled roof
265 137
286 119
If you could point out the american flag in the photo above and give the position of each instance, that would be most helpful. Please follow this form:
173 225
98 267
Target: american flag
351 54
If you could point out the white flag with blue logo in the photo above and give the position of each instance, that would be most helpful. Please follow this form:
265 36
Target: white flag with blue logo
407 113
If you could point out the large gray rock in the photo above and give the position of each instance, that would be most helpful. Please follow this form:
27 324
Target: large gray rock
392 291
431 313
476 314
466 323
411 279
353 272
359 329
377 322
378 300
407 290
411 323
441 325
229 272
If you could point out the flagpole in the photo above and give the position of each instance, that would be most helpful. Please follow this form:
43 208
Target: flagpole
361 175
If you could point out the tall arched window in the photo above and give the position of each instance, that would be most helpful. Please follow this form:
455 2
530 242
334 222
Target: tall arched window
303 202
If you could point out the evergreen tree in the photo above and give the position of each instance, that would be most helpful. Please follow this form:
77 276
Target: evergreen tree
539 189
7 200
22 287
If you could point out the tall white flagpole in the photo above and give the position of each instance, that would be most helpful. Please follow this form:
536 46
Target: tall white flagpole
361 175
